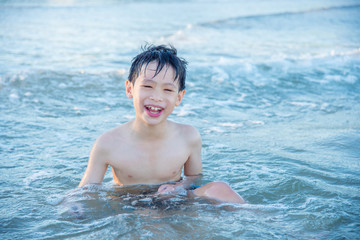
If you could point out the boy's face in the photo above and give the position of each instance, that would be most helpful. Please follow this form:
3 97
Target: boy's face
154 97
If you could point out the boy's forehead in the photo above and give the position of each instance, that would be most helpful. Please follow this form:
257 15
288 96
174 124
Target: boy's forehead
149 71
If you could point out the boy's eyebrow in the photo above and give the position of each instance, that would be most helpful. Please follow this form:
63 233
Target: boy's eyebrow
170 84
147 80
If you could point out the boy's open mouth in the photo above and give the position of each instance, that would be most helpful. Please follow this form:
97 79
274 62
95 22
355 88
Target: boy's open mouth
153 111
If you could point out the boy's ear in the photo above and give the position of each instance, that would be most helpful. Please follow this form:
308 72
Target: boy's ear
129 89
180 97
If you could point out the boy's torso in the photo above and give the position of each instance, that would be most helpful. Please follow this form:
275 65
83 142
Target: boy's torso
139 161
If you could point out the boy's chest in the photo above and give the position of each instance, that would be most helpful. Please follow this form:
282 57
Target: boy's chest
149 164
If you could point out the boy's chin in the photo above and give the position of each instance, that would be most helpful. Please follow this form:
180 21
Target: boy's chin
152 121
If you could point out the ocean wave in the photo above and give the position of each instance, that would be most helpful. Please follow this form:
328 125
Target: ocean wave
231 20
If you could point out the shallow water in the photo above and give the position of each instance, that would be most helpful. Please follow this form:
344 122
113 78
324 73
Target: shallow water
273 87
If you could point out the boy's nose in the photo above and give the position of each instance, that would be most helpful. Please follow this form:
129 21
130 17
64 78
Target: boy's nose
156 98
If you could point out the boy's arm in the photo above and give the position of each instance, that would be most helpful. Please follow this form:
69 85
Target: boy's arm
97 165
192 167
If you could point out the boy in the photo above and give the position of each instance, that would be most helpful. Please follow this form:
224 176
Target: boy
152 149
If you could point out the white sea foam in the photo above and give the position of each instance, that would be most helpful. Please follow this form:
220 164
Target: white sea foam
231 125
55 199
214 129
351 79
14 96
185 110
128 117
257 122
303 104
219 75
121 71
242 97
36 176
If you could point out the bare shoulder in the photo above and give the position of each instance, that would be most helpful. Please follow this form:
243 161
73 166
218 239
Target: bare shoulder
107 140
189 133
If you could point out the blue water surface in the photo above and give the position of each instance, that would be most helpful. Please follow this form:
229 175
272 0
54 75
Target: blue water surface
272 86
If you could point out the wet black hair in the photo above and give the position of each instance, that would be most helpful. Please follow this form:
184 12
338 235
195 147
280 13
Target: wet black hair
163 55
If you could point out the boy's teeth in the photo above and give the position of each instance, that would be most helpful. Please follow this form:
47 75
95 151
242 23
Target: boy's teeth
154 108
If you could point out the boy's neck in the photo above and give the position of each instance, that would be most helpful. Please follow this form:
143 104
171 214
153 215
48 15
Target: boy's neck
150 132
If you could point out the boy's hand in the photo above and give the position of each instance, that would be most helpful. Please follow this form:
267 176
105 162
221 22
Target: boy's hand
170 189
166 189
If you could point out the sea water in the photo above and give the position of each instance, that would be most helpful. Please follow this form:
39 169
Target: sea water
273 87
